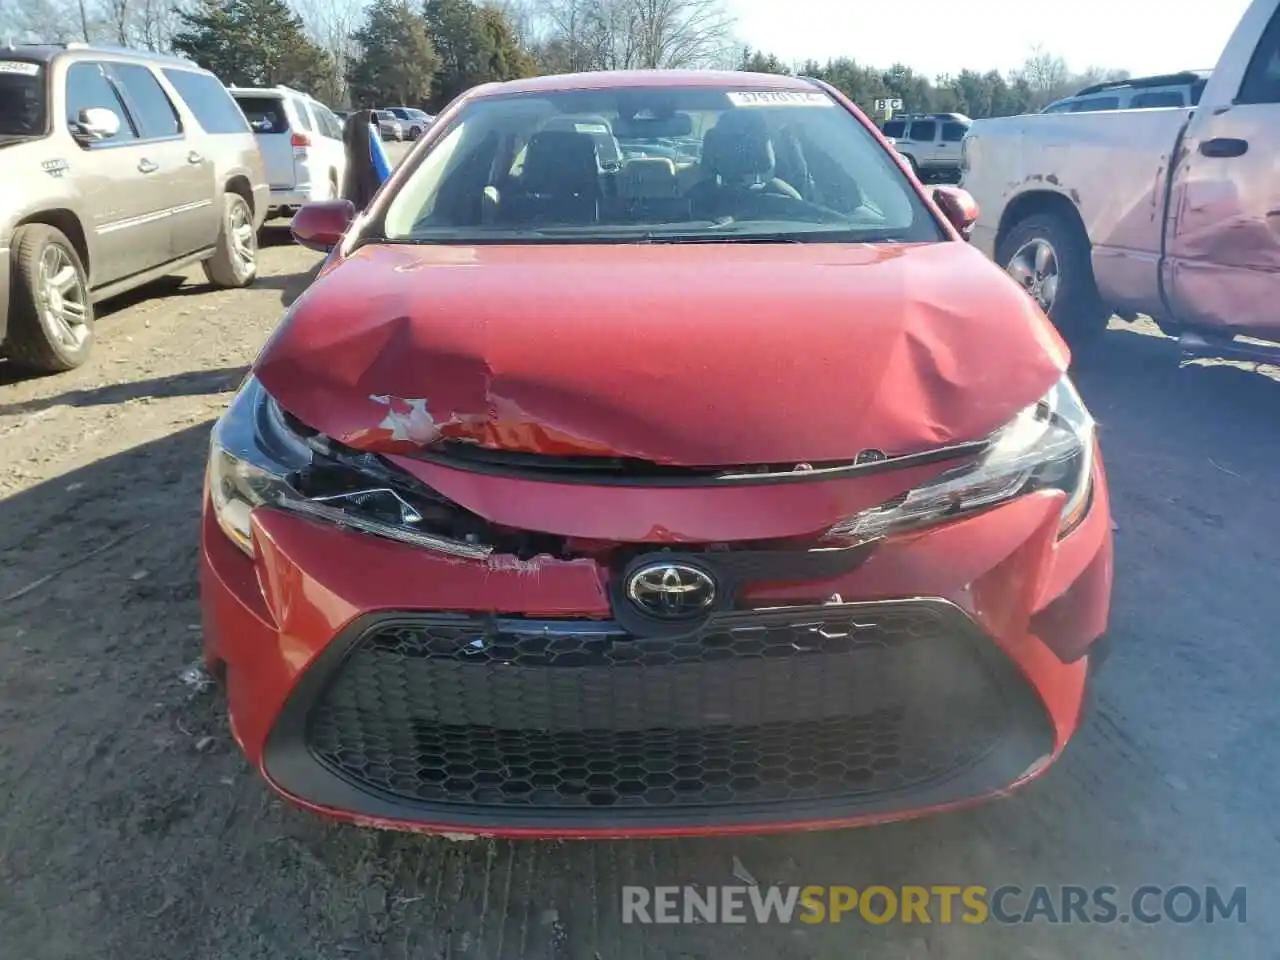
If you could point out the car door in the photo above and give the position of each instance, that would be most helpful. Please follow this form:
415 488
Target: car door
120 193
949 140
923 135
185 175
1222 266
332 149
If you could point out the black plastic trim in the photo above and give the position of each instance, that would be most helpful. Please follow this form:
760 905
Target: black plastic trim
1026 746
513 466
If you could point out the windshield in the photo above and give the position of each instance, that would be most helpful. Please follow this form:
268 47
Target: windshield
22 99
653 164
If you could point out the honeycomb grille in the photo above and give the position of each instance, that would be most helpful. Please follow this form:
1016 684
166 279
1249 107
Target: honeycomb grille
755 707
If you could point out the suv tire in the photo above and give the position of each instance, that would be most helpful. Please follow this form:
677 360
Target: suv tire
1072 302
50 310
235 259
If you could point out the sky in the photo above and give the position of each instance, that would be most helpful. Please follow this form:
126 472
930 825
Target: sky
946 36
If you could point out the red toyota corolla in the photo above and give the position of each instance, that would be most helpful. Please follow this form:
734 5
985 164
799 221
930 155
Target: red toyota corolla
653 456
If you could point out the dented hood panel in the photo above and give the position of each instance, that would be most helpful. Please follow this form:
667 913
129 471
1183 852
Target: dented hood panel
694 354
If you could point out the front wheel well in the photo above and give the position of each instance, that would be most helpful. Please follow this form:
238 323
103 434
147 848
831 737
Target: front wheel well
67 222
240 185
1037 202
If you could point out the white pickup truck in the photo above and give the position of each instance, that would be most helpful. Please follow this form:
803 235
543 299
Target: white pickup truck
1169 212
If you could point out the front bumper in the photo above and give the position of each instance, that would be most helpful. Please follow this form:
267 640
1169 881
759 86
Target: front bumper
389 685
288 197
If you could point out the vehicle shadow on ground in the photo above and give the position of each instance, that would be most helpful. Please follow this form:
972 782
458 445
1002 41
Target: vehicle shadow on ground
187 384
135 828
171 285
290 285
275 233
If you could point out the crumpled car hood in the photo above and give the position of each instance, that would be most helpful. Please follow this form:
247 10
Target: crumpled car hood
683 354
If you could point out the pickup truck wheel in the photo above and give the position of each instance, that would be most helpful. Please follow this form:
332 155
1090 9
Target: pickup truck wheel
50 311
235 259
1049 257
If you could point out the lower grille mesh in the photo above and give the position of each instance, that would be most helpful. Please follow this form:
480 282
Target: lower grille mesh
787 705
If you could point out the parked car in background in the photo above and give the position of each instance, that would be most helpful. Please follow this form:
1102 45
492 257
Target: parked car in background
790 518
930 142
1090 215
301 142
389 125
120 166
414 121
1136 93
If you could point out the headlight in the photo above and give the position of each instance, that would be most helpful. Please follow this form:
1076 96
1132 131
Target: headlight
1047 446
257 458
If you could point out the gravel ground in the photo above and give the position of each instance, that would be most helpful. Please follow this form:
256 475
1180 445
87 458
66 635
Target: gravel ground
132 828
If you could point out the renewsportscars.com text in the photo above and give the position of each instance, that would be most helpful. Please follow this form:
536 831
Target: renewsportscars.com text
940 904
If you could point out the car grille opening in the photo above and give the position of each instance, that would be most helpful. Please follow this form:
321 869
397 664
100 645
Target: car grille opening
789 706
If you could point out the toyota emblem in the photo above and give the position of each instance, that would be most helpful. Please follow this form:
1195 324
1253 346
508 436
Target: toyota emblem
671 591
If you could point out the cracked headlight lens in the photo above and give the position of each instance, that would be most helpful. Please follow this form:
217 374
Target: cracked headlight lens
1047 446
257 459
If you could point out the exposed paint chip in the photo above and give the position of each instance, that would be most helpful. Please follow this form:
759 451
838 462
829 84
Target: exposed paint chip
509 564
408 419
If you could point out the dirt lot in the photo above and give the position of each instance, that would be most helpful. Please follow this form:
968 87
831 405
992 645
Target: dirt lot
131 828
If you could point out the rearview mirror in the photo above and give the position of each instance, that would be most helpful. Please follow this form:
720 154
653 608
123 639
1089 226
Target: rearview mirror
958 206
96 123
319 226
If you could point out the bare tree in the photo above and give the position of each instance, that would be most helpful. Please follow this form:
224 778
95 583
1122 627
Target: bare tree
332 24
117 17
574 25
1046 76
631 34
57 21
681 33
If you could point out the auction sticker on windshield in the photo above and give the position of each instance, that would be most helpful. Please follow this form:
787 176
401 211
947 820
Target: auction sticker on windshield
20 67
779 98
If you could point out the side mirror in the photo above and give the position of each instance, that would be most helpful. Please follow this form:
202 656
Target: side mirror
958 206
319 226
96 123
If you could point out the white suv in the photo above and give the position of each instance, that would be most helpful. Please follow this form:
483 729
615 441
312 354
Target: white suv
301 144
930 142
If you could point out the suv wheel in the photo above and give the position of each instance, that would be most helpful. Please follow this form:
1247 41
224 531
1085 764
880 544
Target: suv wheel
1049 257
235 259
50 311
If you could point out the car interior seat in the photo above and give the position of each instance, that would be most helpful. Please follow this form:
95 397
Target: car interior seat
738 161
560 182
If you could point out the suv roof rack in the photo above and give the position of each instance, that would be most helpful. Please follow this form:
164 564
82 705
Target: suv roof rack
954 117
1156 80
133 52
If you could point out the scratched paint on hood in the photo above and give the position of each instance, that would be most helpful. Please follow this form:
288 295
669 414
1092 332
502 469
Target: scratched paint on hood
706 354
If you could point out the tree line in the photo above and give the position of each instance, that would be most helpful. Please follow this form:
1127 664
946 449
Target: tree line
424 52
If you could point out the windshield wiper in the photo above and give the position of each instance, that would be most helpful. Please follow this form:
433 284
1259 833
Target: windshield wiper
717 238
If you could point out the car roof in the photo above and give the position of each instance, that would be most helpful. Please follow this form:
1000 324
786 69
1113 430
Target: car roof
1185 77
47 52
281 91
621 79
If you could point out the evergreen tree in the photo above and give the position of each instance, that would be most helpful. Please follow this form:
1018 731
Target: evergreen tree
475 44
396 61
252 43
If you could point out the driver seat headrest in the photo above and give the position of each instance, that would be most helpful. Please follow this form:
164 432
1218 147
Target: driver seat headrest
738 147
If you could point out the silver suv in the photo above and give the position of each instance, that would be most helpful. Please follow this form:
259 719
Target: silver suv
120 166
930 142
